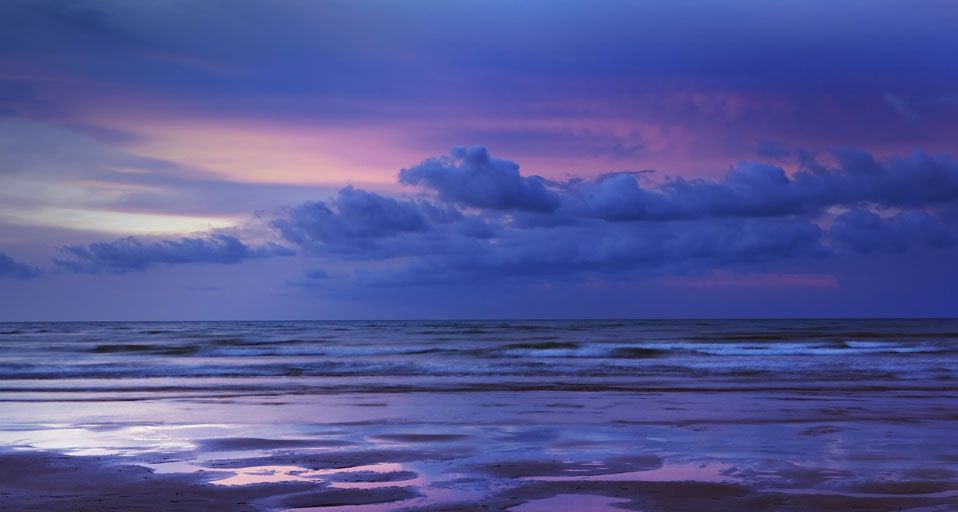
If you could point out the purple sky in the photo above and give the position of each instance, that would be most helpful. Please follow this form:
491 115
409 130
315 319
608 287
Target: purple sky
297 159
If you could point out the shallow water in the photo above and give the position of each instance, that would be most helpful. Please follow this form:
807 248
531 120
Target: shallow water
465 411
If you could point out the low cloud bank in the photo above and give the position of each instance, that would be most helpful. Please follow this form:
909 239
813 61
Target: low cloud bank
12 268
130 253
475 217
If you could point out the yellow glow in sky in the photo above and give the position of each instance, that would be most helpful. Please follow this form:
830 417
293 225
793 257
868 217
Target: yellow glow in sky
121 223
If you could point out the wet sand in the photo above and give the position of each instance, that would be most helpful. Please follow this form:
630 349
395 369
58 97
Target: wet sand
490 451
53 482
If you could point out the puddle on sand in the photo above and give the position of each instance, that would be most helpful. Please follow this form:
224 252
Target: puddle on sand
271 474
266 474
578 502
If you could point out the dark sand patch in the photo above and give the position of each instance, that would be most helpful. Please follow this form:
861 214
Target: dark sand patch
373 476
345 497
903 487
419 438
256 443
50 482
338 459
688 497
932 474
789 476
530 468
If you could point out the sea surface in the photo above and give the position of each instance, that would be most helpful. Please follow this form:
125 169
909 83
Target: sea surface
466 354
833 407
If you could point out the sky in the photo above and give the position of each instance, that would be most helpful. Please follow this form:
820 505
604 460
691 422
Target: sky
283 159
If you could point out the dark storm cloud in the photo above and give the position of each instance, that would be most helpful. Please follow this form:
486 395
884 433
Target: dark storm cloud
12 268
129 254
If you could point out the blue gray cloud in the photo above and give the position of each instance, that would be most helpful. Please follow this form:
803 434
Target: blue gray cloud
471 177
366 225
588 251
477 218
864 231
755 189
626 223
12 268
130 253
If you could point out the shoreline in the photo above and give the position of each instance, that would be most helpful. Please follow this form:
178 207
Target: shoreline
33 480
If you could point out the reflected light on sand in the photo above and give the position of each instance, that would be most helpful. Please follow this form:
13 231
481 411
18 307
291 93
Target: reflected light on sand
83 441
270 474
267 474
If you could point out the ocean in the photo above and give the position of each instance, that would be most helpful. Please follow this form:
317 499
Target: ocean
507 415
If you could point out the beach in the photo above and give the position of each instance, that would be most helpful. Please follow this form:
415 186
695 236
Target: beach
670 415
